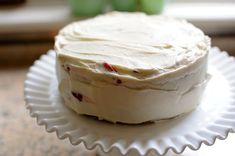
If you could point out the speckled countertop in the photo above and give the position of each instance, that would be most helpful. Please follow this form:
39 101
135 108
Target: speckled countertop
20 135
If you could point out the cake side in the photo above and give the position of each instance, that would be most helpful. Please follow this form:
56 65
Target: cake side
125 66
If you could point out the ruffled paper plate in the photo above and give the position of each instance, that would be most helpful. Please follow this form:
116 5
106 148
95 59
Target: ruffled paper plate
214 118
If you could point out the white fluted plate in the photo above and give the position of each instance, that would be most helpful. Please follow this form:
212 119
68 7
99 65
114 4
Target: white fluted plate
214 118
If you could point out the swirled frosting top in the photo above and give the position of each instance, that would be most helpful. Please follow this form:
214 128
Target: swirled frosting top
131 45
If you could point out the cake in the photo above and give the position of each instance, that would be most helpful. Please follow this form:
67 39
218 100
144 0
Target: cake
131 67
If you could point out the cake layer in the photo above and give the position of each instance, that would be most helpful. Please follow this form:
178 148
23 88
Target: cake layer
121 104
132 68
124 105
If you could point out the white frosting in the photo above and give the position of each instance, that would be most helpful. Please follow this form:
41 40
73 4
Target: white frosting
130 63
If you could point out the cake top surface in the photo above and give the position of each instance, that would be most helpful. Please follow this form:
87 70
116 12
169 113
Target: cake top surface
131 45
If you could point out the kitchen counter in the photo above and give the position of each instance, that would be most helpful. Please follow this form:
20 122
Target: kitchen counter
20 135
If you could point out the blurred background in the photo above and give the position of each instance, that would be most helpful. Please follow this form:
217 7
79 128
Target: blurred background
28 27
27 30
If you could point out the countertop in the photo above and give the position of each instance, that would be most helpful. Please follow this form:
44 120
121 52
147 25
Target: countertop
20 135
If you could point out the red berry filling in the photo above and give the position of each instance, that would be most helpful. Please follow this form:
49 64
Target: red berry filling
119 81
135 71
109 67
66 68
77 96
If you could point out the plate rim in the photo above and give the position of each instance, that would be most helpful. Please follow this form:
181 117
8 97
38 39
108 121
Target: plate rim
229 127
